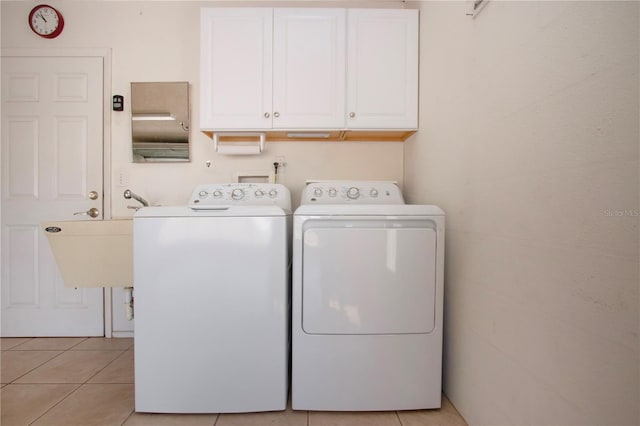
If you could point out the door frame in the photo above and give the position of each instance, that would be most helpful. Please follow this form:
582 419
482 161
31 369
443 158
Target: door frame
105 55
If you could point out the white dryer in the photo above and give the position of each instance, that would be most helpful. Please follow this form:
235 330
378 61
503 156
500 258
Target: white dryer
212 297
367 299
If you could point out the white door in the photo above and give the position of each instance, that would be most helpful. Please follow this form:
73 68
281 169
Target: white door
309 68
235 68
382 69
52 141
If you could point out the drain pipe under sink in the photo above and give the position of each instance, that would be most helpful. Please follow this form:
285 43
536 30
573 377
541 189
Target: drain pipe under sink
128 302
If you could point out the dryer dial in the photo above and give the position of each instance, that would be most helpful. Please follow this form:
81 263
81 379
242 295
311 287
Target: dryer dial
237 194
353 193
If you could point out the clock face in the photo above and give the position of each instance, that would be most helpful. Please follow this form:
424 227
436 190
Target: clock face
46 21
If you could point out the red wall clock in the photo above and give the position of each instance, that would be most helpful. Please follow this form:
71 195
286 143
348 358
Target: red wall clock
46 21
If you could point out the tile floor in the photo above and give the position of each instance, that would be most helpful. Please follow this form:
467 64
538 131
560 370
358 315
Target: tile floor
89 381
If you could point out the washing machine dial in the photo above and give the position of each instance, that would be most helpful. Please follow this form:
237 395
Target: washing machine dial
217 193
373 193
237 194
317 192
259 193
332 192
203 194
273 193
353 193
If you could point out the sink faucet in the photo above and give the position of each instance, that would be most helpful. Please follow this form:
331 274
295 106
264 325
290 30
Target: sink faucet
129 195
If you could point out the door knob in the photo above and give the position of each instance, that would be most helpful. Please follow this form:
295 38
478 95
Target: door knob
92 212
93 195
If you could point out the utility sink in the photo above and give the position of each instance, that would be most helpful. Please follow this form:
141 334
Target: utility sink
93 253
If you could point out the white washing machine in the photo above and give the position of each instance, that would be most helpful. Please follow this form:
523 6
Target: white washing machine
367 299
212 298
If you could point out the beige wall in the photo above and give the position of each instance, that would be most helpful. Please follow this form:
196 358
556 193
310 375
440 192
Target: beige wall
159 41
529 140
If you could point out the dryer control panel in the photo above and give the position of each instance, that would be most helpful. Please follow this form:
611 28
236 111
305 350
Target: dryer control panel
245 194
351 192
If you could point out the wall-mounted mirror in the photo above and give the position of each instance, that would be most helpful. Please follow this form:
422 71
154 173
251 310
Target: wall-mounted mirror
160 121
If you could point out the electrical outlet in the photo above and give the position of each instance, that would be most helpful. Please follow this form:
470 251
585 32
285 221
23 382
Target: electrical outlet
280 161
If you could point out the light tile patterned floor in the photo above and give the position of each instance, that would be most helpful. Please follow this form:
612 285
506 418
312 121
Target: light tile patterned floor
89 381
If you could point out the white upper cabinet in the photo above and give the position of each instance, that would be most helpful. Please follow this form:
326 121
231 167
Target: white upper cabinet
295 83
235 68
382 69
309 68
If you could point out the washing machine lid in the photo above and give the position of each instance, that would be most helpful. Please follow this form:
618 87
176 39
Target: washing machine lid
369 210
217 211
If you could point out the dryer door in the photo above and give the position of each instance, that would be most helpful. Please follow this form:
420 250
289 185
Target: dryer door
368 277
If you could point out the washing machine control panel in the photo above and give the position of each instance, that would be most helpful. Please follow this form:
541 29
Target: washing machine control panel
249 194
351 192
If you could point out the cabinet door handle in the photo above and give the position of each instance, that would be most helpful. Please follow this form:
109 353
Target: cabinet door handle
352 114
267 115
276 114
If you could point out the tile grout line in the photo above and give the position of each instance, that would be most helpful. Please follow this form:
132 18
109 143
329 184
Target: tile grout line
13 382
17 347
78 386
86 382
19 344
129 416
399 419
85 339
98 372
134 402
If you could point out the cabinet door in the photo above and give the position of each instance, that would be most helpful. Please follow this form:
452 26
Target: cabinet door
235 68
309 68
382 69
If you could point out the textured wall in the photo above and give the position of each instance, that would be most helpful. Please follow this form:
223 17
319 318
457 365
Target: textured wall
529 140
